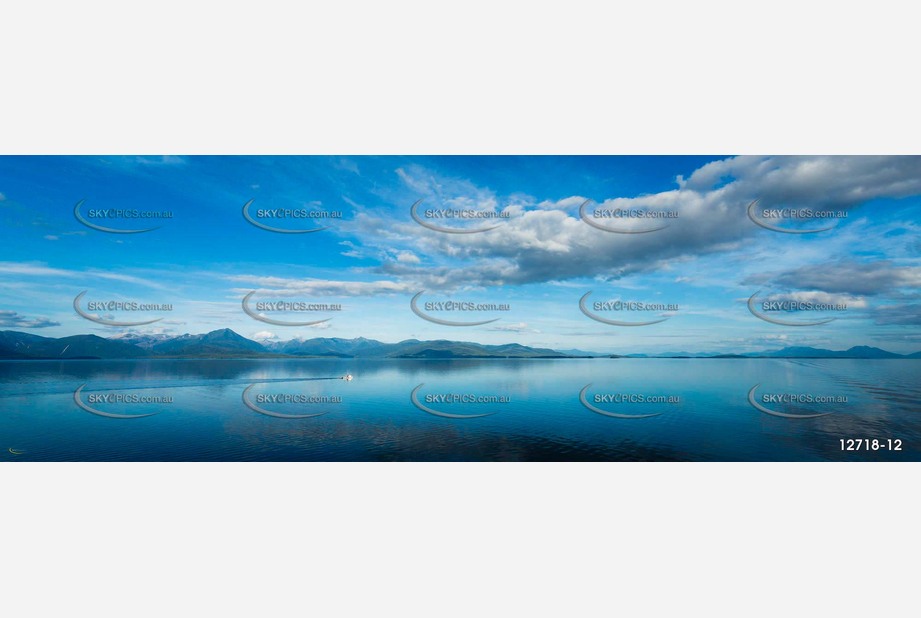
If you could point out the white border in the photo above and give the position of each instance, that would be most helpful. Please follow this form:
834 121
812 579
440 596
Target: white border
458 540
468 539
483 76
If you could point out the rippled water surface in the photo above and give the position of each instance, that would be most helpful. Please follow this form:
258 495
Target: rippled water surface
505 410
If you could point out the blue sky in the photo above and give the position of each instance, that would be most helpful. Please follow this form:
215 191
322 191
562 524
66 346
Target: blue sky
540 260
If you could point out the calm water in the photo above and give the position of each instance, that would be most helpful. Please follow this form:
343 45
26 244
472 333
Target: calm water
534 408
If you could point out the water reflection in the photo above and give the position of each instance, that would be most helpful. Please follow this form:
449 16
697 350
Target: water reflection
374 419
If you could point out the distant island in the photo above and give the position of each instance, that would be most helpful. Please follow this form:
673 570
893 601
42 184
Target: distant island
860 351
225 343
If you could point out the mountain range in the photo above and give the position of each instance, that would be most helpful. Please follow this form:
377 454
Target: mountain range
225 343
860 351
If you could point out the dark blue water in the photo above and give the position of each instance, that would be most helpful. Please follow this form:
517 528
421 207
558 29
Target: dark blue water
700 410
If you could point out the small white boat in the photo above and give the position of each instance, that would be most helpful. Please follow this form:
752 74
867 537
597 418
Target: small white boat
347 377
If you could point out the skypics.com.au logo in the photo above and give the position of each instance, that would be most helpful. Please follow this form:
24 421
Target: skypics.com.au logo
778 308
258 310
795 220
118 214
451 306
114 404
289 220
112 307
458 400
272 404
625 307
626 400
440 219
795 405
627 220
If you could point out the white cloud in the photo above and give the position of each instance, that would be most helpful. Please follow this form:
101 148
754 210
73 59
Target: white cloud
161 160
319 287
14 319
816 297
443 192
408 257
847 276
551 243
38 269
520 327
31 268
353 252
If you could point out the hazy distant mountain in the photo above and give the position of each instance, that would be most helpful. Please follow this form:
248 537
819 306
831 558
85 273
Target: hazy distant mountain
673 355
577 352
457 349
410 348
863 351
225 343
860 351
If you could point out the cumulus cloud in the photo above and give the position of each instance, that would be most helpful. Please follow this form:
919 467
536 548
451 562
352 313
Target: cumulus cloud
899 315
796 181
551 243
824 298
447 192
846 277
407 257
